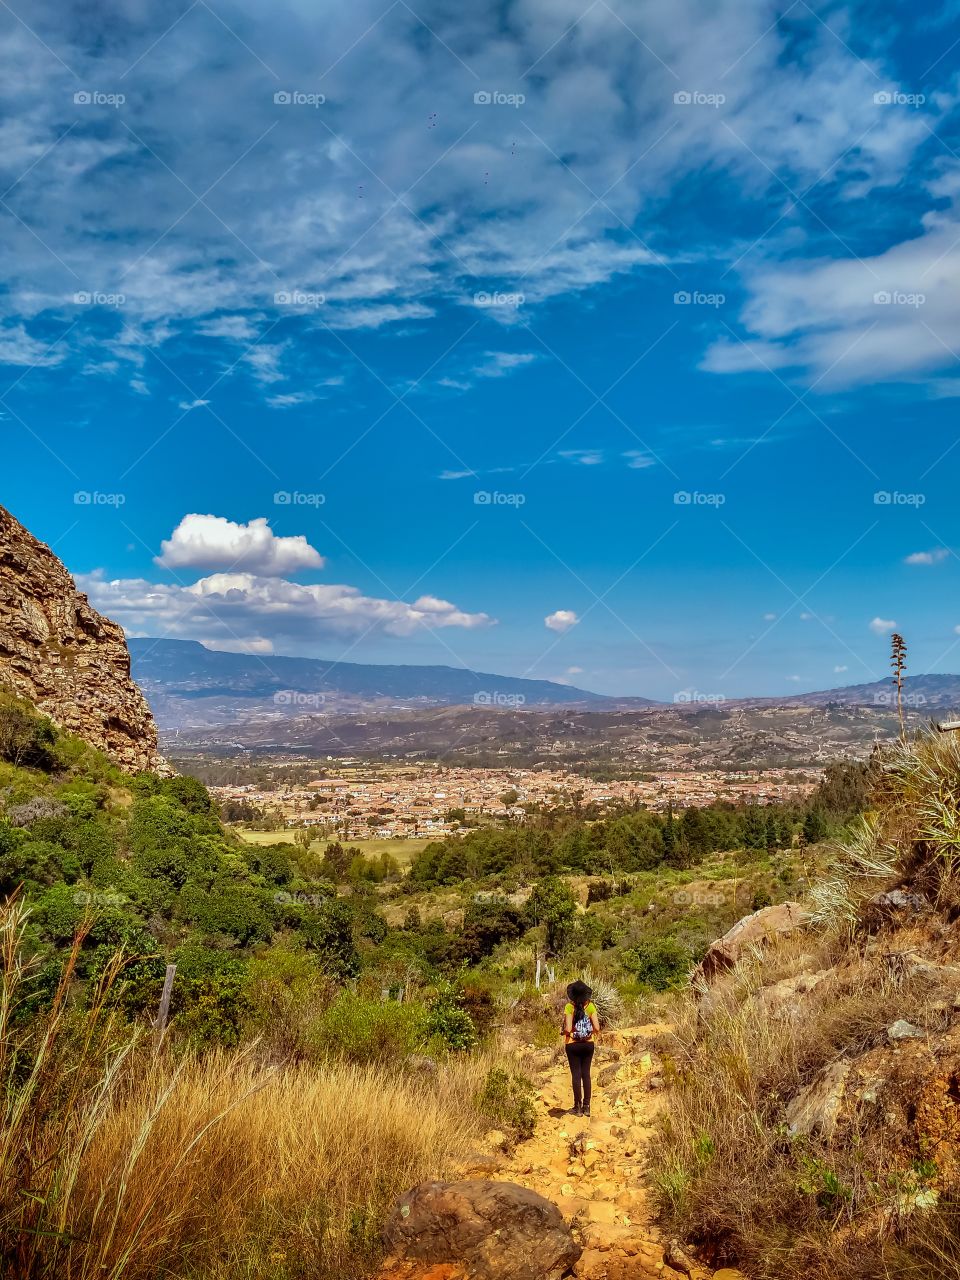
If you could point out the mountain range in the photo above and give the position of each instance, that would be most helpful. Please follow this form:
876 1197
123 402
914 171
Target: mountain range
190 686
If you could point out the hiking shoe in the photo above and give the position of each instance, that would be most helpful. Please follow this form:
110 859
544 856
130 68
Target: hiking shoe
575 1111
585 1111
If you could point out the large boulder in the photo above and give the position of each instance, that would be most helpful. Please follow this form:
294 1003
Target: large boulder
493 1230
751 931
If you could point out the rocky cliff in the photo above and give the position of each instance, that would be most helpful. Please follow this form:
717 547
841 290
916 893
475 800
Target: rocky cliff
67 659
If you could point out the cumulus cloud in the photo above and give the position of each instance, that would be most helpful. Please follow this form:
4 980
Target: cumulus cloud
882 626
561 620
935 556
213 542
838 669
247 612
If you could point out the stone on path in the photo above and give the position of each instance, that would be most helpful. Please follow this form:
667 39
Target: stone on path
493 1230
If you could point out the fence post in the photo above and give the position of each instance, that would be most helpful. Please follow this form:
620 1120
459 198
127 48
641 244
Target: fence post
160 1024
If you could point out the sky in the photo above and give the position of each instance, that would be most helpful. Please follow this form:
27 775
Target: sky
613 343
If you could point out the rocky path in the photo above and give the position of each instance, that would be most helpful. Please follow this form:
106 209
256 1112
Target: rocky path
593 1208
594 1169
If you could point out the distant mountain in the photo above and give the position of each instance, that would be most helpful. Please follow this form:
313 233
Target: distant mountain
920 694
191 686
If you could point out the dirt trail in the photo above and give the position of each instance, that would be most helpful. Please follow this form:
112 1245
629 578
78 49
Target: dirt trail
593 1169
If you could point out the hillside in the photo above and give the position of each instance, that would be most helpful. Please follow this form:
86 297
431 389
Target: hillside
191 686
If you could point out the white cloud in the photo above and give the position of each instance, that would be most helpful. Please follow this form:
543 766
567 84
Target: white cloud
927 557
799 110
639 461
769 617
794 679
838 669
497 364
848 320
882 626
561 620
192 404
245 612
213 542
583 457
17 347
290 399
574 671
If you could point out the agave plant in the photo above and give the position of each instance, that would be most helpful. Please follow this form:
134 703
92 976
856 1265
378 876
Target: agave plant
860 864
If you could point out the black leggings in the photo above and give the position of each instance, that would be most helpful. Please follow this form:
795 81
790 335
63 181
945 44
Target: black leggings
580 1056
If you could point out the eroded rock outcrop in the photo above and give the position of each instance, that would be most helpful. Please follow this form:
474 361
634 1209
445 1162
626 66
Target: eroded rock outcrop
751 931
64 657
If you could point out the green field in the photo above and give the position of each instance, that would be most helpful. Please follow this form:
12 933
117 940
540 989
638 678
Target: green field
402 850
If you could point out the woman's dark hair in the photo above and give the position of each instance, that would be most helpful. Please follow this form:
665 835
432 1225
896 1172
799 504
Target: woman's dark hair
579 992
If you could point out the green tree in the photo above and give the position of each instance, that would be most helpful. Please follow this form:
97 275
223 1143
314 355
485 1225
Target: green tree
552 905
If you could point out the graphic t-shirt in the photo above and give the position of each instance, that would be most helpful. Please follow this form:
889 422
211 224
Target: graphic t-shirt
590 1009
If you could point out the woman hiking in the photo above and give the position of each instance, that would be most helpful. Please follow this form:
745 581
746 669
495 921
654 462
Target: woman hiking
581 1024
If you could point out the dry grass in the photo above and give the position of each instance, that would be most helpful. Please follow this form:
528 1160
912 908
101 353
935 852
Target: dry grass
118 1165
728 1171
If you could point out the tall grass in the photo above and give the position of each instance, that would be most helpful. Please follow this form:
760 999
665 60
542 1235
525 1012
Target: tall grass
121 1165
855 1206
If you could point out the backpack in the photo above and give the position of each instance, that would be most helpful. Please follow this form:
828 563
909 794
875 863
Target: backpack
582 1025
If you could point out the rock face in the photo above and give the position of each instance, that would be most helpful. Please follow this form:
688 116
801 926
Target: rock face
749 932
492 1230
64 657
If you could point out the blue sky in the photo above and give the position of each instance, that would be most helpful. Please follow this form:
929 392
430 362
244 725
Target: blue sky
607 342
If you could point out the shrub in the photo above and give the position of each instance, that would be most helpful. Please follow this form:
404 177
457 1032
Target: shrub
367 1031
660 963
447 1020
505 1099
26 738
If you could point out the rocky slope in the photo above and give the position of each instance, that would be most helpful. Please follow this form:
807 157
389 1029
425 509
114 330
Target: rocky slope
64 657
